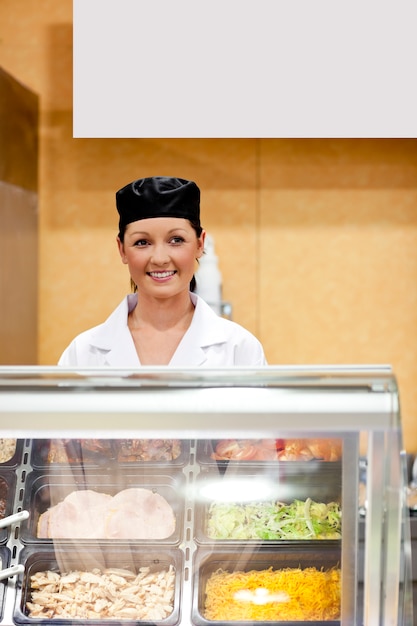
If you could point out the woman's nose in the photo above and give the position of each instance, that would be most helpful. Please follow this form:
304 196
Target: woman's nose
160 254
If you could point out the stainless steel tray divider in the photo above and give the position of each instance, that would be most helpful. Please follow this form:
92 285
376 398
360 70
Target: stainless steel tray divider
13 542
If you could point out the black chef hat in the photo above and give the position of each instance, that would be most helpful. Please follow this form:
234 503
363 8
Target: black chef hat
158 196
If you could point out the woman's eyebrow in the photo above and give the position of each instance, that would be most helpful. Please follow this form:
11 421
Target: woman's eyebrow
144 233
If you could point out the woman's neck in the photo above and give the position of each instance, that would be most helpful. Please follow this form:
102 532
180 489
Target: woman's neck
157 328
162 313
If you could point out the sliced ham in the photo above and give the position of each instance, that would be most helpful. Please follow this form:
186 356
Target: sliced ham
133 513
80 515
138 513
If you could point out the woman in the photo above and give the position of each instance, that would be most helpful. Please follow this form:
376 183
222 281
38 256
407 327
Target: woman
163 322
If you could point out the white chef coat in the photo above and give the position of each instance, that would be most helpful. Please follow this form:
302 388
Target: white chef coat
210 341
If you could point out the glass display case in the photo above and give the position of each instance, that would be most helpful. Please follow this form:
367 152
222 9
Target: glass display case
200 497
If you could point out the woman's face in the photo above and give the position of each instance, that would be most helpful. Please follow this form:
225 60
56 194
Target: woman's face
161 253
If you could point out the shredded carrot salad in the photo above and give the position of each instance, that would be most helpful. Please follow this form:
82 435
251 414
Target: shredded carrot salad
274 595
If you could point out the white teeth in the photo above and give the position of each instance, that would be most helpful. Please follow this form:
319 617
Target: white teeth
161 274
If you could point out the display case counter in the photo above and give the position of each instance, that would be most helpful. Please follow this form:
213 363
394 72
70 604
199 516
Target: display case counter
179 497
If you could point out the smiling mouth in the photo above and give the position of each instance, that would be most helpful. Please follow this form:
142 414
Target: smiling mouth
161 274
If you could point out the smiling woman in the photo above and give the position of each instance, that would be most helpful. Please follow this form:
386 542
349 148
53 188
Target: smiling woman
163 322
161 252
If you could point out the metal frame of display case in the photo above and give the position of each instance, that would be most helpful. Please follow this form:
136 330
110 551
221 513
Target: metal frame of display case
358 403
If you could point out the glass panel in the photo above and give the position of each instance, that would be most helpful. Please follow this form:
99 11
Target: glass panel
209 480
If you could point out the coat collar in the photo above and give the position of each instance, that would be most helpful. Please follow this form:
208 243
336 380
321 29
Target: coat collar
114 340
206 329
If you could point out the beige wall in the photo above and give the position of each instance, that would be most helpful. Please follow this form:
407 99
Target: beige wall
317 239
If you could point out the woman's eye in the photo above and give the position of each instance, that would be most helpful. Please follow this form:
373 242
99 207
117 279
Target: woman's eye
177 240
140 243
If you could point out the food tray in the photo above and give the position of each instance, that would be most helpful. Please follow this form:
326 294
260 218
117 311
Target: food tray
236 491
107 453
43 491
13 459
207 562
7 492
252 453
4 562
86 558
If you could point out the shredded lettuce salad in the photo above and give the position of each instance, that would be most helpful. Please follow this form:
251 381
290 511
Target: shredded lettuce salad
274 520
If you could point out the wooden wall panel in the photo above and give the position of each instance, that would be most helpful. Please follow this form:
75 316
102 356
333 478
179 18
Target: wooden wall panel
19 284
